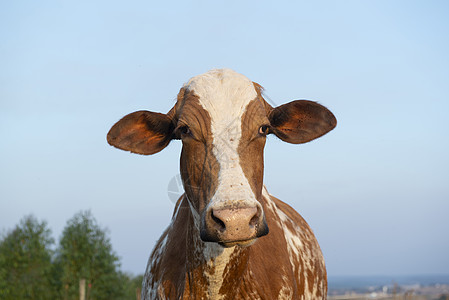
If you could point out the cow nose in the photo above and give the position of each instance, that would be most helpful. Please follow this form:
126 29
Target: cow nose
231 225
235 220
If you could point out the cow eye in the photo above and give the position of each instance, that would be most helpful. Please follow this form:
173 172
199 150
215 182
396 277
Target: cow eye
184 131
263 130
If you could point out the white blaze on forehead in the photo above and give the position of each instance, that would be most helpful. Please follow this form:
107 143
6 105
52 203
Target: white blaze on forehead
225 94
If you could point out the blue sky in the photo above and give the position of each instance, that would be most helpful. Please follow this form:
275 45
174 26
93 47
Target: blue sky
375 190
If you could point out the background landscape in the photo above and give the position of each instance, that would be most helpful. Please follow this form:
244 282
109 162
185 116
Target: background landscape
375 190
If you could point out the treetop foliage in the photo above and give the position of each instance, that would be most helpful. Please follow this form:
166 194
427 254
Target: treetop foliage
25 258
30 269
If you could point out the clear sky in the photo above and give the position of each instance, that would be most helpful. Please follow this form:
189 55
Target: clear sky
375 190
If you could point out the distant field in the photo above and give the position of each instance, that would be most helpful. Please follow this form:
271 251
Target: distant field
353 282
428 287
360 297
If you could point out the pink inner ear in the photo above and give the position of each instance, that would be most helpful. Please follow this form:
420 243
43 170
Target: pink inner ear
142 132
301 121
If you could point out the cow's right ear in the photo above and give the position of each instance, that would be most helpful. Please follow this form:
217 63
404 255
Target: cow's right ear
142 132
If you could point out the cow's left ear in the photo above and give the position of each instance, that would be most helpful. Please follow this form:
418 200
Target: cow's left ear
142 132
301 121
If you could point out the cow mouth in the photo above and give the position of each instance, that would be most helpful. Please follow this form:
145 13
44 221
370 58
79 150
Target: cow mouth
241 243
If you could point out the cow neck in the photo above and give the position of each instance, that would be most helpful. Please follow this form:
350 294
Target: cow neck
215 271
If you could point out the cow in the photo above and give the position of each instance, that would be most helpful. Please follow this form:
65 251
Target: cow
228 237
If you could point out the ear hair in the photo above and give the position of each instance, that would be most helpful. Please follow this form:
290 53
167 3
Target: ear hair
259 90
142 132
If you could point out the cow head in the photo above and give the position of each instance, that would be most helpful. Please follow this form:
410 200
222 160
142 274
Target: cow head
222 120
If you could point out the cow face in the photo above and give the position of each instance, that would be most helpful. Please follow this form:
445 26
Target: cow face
222 120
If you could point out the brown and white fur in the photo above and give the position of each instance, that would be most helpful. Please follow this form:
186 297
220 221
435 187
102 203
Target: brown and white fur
229 238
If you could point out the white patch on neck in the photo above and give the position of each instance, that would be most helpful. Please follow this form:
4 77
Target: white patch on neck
286 291
225 94
217 258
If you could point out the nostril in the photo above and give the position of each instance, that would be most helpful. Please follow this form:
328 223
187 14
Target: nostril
219 224
255 219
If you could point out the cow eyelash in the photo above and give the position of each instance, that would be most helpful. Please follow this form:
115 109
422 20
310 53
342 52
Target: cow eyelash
264 130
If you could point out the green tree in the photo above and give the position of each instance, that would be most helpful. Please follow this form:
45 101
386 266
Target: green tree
132 286
85 252
25 261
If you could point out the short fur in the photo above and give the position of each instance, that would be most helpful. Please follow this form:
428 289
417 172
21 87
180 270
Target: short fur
215 248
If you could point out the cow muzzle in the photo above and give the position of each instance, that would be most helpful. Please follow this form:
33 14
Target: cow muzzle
230 225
